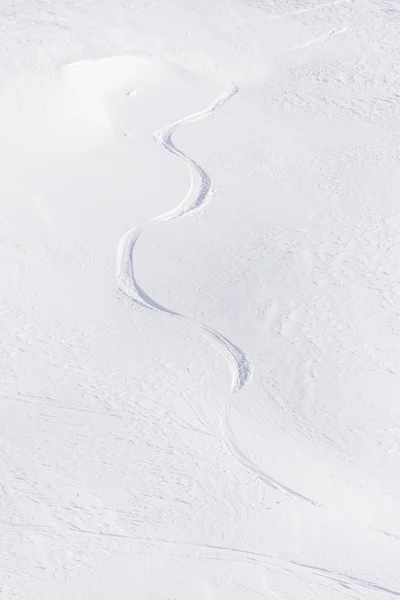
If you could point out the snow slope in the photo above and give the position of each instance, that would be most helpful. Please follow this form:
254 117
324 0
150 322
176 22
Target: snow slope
200 350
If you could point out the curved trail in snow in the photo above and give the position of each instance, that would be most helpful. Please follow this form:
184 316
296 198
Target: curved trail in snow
200 183
215 552
229 439
195 199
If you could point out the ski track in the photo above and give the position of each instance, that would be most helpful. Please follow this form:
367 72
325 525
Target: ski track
229 553
245 461
195 199
301 11
321 39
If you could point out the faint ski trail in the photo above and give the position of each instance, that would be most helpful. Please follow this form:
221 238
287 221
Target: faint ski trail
320 40
233 447
229 553
301 11
195 199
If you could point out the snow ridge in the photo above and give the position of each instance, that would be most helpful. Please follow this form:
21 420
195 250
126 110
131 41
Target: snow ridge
195 199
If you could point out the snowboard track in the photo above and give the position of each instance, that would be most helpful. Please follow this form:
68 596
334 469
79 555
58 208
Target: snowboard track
195 200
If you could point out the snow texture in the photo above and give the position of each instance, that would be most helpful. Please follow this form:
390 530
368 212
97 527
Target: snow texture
200 300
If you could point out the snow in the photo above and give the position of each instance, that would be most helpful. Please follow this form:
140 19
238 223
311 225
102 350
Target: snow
200 350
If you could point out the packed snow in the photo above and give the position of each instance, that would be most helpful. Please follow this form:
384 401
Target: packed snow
200 300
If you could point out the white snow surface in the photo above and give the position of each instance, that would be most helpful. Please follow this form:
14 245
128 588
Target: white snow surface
200 300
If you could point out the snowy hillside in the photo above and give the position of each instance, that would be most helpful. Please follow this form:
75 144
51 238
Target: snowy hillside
200 300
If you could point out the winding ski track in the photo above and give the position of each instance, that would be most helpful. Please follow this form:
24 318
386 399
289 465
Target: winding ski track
195 199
